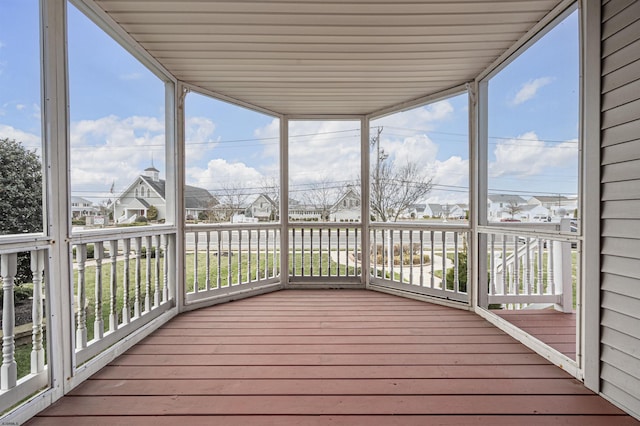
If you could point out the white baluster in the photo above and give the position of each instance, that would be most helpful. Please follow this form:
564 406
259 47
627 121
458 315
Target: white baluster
219 240
81 328
239 260
156 292
196 284
165 269
208 262
98 324
9 369
147 283
456 262
126 314
113 286
229 253
137 242
37 348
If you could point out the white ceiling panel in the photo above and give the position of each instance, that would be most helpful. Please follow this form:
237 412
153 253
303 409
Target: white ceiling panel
326 57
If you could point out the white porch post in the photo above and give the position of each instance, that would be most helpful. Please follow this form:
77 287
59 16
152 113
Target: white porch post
589 321
175 97
479 190
365 215
56 153
284 200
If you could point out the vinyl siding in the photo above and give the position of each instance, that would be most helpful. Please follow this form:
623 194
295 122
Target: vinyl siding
620 208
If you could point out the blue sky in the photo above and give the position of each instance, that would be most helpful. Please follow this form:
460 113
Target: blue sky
117 121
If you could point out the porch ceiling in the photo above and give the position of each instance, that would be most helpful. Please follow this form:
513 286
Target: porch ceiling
329 56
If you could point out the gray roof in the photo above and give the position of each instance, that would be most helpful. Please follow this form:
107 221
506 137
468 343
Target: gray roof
506 198
550 198
194 197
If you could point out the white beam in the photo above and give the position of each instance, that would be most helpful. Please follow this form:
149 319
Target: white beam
56 158
590 68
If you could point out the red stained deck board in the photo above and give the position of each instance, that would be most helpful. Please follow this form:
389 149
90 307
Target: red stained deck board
324 386
332 405
486 372
179 339
305 358
331 359
301 420
328 348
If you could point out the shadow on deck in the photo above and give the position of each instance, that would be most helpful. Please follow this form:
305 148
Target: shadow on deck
330 357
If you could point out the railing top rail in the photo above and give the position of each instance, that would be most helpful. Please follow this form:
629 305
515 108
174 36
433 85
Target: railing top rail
325 225
420 226
230 226
99 235
23 242
531 232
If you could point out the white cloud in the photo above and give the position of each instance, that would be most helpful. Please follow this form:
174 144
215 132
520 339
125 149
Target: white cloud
529 90
219 172
527 155
20 107
114 149
418 118
29 140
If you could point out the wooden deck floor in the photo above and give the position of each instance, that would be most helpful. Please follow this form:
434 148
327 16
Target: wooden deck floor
332 357
556 329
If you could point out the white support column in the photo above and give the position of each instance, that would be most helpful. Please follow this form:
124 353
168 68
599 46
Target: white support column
478 103
56 153
284 200
175 101
589 319
365 215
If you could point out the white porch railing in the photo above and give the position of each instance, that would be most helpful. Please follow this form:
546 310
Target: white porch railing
528 267
227 258
420 258
324 251
121 284
17 382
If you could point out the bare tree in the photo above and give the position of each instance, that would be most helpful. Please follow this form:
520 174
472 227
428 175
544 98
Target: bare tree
512 208
395 188
232 198
321 195
271 188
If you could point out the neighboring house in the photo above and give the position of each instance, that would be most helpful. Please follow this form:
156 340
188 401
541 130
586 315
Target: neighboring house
415 211
149 190
533 213
433 210
558 205
81 207
300 211
498 203
262 208
347 208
